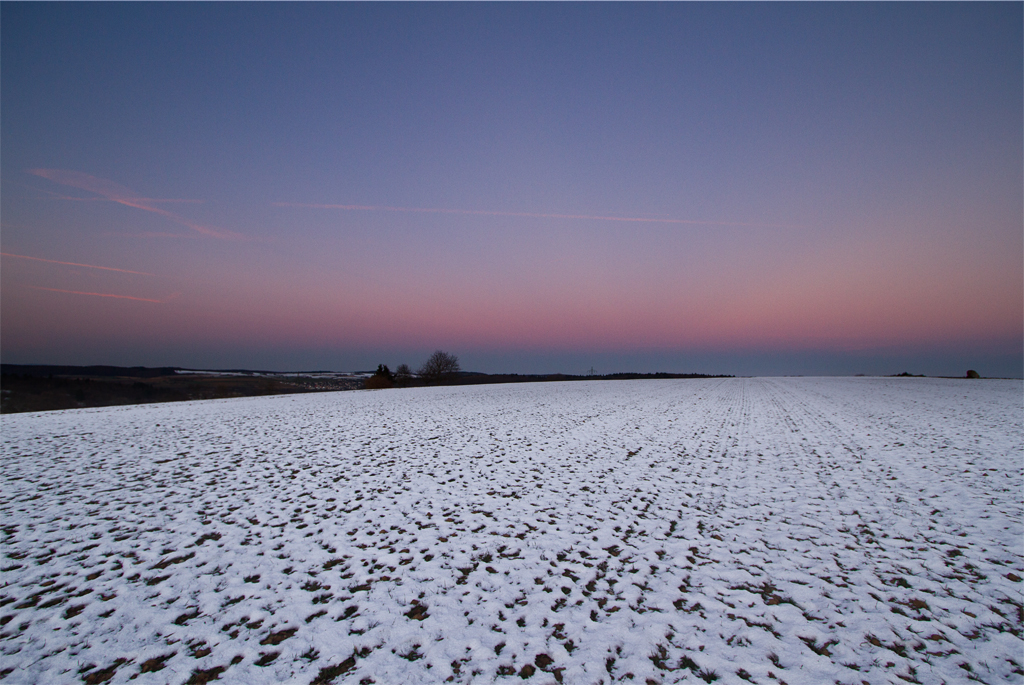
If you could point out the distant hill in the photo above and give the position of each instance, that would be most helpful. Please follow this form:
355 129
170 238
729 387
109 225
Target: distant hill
41 387
43 371
37 387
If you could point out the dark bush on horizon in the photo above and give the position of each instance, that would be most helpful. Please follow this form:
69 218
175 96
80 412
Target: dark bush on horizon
380 379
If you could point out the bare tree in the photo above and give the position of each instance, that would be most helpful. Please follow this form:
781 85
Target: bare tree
441 367
403 374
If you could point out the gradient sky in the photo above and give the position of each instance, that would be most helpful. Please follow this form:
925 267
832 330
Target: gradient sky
720 188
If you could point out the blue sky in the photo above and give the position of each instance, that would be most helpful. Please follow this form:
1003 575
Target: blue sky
735 188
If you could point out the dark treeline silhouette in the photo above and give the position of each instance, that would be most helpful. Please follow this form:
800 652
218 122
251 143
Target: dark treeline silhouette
45 387
483 378
381 379
442 368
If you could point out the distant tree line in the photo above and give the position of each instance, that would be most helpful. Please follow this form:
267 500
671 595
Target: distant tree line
442 367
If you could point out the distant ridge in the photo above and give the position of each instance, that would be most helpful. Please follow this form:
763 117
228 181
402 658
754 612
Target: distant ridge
42 387
44 370
463 378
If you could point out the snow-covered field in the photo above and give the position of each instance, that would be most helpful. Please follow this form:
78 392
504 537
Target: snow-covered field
762 530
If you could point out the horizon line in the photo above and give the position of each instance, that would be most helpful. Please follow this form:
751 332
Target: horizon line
596 376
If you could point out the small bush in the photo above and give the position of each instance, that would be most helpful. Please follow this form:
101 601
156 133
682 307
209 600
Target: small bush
376 382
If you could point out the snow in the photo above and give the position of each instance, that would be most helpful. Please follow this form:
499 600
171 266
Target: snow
804 530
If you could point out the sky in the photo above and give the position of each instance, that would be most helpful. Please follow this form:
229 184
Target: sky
749 189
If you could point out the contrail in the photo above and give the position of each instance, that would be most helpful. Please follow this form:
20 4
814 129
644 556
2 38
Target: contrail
148 200
115 192
89 266
532 215
79 292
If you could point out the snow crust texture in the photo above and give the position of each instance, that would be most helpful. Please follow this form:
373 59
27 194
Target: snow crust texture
733 530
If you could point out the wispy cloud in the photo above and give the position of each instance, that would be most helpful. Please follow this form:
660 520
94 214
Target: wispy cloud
88 266
532 215
150 234
148 200
79 292
115 192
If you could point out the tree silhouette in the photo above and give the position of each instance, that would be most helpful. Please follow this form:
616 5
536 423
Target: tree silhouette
440 368
403 374
380 379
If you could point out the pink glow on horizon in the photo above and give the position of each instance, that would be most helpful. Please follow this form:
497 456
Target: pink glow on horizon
788 298
89 266
394 314
636 290
290 309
